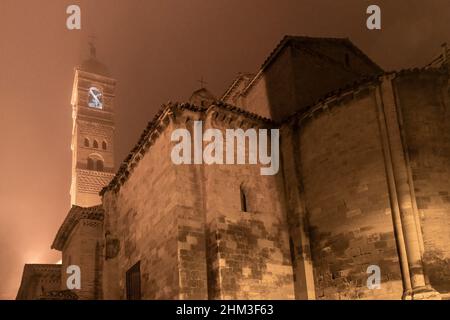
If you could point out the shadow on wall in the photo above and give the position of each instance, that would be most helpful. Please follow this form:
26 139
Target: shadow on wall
302 70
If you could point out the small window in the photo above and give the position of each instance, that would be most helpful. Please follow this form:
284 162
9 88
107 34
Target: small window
95 145
100 165
244 206
104 146
133 282
86 142
95 163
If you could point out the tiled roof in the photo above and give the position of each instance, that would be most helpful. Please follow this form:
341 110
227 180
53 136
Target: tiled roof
238 80
123 173
93 181
441 59
59 295
75 214
42 269
33 271
306 41
202 97
140 147
362 82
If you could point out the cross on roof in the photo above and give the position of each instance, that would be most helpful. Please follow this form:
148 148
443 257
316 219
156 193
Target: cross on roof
92 48
202 83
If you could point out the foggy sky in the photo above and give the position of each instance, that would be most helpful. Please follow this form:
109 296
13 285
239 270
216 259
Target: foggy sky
157 50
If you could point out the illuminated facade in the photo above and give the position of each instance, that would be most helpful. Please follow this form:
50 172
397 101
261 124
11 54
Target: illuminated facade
363 183
93 132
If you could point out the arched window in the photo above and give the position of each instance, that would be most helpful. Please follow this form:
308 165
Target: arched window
95 145
104 146
244 204
86 142
90 164
95 162
99 165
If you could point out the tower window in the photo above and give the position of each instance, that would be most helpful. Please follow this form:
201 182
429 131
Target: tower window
133 282
104 146
95 145
95 162
90 164
244 205
86 142
99 165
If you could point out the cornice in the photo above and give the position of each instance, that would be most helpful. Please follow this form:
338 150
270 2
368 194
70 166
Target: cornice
226 113
75 214
174 113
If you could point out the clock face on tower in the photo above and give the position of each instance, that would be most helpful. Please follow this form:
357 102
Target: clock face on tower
95 98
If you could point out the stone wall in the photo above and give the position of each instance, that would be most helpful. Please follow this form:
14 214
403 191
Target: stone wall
167 217
342 201
347 200
296 214
38 280
84 249
142 216
248 257
273 92
304 71
248 252
425 108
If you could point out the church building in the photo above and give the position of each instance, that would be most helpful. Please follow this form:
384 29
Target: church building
363 185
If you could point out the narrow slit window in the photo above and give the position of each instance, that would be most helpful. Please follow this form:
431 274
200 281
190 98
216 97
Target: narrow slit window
244 205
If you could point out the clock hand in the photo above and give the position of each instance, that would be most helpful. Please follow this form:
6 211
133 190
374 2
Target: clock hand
91 91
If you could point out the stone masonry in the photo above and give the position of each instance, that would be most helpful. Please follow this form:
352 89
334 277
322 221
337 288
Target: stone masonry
363 181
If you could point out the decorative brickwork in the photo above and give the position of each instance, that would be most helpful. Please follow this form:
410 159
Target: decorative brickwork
92 136
39 280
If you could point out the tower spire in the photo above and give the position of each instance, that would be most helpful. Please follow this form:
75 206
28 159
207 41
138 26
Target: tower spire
92 48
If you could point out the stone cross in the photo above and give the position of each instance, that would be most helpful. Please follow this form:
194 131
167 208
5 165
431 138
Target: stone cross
92 48
202 83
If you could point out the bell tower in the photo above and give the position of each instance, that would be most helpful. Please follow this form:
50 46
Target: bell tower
93 131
